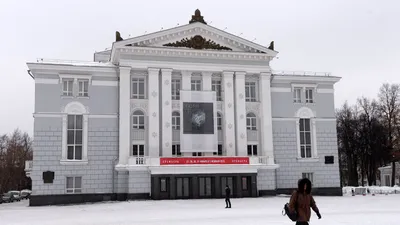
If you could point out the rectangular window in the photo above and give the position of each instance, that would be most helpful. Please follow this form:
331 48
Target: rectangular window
176 121
251 93
74 185
309 95
251 123
244 184
176 150
197 154
138 88
196 85
305 138
217 87
175 89
219 121
252 150
308 176
68 85
74 137
83 90
163 184
297 95
387 180
137 150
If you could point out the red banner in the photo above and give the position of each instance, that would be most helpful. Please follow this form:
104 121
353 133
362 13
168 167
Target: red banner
204 160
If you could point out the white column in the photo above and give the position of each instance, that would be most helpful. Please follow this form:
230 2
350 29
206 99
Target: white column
186 80
267 144
229 114
206 81
240 116
166 112
124 114
153 114
314 138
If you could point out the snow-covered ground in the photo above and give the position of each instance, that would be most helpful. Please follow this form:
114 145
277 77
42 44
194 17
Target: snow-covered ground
351 210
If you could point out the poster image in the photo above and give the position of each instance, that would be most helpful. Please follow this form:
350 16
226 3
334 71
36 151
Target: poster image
198 118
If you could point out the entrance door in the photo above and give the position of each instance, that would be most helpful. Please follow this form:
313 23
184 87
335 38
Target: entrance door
246 186
182 187
205 187
227 181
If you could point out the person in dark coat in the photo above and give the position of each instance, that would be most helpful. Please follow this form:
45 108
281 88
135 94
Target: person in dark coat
301 201
227 197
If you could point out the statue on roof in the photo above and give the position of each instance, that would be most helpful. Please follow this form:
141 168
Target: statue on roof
197 17
118 36
271 45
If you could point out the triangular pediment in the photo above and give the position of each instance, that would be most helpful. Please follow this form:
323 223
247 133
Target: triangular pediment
197 36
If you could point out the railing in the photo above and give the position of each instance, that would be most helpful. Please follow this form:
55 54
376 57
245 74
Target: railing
252 135
301 73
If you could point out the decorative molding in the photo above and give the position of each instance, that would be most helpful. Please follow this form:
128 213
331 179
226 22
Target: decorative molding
325 91
176 105
154 134
104 116
166 82
75 108
167 144
154 114
296 119
197 42
73 162
219 106
241 96
166 102
229 105
230 126
139 105
253 107
46 81
197 17
241 116
242 135
230 145
229 84
104 83
305 112
75 77
154 94
167 125
280 89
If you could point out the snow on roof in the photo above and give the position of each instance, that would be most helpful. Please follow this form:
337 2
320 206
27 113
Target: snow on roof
74 62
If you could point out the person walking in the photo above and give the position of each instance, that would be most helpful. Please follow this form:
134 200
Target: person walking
301 201
227 196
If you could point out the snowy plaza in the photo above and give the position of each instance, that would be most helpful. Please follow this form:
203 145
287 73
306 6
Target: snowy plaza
352 210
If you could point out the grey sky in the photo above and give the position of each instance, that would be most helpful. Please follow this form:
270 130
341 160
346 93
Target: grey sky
356 40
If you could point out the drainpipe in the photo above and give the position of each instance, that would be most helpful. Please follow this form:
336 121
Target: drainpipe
113 174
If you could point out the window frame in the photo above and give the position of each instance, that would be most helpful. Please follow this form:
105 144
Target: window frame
139 80
219 121
176 150
297 95
249 86
252 151
74 130
197 84
68 93
306 113
138 150
73 189
175 93
176 120
216 85
251 121
137 117
307 95
308 175
307 144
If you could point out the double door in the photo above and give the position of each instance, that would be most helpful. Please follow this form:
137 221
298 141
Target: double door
183 187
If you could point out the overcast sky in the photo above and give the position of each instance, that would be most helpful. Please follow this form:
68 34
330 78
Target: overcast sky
357 40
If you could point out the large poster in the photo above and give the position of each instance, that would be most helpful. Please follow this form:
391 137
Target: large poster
198 118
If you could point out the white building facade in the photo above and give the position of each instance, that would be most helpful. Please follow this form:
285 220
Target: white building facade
177 114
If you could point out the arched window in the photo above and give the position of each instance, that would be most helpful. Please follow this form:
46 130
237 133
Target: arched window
219 121
176 121
251 121
138 120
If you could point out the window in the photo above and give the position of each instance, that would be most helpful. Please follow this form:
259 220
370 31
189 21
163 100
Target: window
387 180
216 86
137 150
176 150
74 137
163 184
138 88
251 121
68 85
305 138
219 151
309 95
252 150
308 176
197 154
251 93
138 120
196 85
176 121
175 89
74 185
244 183
219 121
83 90
297 95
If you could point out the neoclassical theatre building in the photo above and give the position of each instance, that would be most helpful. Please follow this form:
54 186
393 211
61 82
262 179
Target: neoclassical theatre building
176 114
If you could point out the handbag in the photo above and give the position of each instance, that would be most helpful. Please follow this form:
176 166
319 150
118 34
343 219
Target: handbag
286 212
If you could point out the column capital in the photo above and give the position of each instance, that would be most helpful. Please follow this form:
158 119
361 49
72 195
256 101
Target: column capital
240 74
208 74
266 74
124 69
227 73
186 73
153 71
166 70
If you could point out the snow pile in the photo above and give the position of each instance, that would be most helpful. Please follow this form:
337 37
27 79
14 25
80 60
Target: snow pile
372 190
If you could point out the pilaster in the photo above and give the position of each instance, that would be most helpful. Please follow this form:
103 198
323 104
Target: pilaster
186 80
206 81
240 115
166 124
266 117
124 114
153 127
229 114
